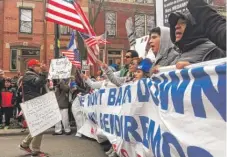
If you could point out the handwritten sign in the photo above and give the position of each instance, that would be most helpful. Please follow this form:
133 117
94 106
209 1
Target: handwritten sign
85 66
60 68
41 113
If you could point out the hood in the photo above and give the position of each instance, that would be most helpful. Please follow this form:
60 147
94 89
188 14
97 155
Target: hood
165 41
194 34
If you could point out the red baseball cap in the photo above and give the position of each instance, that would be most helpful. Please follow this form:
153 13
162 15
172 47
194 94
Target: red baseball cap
33 62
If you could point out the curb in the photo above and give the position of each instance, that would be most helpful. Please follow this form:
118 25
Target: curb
17 132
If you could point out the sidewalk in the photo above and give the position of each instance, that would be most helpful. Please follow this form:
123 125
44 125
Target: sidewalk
16 132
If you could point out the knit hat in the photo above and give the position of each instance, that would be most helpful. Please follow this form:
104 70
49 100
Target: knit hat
145 65
33 62
1 72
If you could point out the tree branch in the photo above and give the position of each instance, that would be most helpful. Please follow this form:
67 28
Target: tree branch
97 12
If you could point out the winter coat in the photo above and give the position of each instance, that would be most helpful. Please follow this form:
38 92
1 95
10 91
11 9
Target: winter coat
33 84
8 97
99 84
212 22
2 83
194 47
118 81
62 92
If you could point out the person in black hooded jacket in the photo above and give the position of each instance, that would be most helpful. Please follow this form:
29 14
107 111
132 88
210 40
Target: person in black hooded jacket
213 23
190 38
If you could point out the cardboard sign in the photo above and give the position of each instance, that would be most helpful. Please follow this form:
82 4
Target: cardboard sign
41 113
60 69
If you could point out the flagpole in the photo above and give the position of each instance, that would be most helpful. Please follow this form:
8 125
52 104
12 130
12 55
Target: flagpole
56 39
104 54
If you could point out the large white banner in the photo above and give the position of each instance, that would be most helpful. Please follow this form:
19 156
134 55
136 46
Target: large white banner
60 69
41 113
174 114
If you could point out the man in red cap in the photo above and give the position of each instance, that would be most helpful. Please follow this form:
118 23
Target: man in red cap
33 85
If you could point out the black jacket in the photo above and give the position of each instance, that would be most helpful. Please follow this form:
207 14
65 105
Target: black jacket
212 22
33 85
2 84
194 47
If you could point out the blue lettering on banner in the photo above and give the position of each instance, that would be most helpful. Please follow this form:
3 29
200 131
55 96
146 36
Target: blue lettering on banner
177 91
150 138
193 151
101 92
155 81
123 96
119 98
112 96
118 123
82 100
176 88
216 97
127 95
130 127
144 89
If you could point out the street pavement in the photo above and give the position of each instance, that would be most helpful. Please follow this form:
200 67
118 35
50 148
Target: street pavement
56 146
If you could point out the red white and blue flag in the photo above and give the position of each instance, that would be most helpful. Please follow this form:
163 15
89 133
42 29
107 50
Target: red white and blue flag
71 14
72 52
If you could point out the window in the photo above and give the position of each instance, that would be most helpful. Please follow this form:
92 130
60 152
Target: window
65 30
139 25
143 24
13 59
150 23
110 24
25 20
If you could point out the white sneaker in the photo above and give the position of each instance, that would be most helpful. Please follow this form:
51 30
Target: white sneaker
113 154
109 151
78 135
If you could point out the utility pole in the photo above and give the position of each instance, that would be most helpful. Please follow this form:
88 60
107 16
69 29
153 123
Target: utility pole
57 45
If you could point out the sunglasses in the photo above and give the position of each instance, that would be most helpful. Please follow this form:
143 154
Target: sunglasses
128 57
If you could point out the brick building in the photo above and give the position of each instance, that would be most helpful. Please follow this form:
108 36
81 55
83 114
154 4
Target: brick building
24 34
112 18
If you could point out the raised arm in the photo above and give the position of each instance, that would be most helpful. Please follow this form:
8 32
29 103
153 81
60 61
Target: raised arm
213 23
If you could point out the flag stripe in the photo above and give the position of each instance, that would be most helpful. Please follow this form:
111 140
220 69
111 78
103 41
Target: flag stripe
63 17
64 13
84 18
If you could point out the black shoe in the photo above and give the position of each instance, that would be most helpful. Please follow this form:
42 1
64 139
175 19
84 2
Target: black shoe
57 133
68 133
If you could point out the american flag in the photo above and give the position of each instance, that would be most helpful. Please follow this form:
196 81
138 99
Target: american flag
72 52
64 13
71 14
90 41
92 49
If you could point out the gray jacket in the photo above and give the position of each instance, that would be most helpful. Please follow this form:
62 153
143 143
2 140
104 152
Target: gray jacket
62 91
118 81
166 58
203 52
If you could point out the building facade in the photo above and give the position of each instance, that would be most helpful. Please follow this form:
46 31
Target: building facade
24 34
112 18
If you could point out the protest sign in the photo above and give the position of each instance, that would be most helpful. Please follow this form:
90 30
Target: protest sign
175 113
85 66
60 68
41 113
171 6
